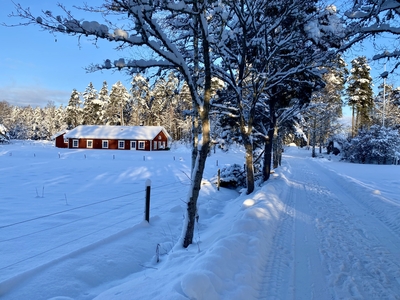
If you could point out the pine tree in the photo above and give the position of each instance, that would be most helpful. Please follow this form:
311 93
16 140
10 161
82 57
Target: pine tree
360 94
104 100
141 95
91 107
73 115
182 112
327 104
116 110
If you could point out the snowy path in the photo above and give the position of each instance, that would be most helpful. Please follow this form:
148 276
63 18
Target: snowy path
333 241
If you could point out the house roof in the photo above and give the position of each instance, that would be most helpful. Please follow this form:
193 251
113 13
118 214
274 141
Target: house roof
115 132
54 136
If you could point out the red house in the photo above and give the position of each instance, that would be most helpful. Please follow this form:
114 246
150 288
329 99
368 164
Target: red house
147 138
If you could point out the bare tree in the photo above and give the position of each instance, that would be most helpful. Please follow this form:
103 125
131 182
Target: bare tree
271 52
174 45
374 18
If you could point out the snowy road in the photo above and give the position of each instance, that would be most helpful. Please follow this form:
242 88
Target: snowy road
336 240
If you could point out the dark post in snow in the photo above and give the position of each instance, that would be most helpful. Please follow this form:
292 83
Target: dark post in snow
218 179
147 205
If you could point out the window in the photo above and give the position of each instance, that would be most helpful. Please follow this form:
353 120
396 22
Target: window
141 145
65 141
155 145
75 143
121 144
133 145
104 143
161 145
89 144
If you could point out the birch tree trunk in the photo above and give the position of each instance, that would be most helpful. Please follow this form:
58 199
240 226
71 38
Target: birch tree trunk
204 144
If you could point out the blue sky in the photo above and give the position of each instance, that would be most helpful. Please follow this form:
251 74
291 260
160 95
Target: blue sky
37 67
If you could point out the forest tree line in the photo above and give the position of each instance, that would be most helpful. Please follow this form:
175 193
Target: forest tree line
167 103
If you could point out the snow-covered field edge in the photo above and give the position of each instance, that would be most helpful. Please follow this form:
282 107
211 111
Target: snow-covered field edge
226 262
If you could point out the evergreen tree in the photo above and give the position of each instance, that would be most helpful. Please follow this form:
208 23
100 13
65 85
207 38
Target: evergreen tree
91 107
73 115
5 113
360 94
182 112
104 100
335 80
50 122
141 95
378 145
17 127
326 105
117 109
161 94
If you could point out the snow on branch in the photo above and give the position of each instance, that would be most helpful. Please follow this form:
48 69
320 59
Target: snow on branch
373 18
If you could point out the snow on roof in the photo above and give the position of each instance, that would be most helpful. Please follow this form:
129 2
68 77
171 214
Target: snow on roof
54 136
115 132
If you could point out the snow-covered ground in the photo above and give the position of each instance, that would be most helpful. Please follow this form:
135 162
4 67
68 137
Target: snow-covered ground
71 227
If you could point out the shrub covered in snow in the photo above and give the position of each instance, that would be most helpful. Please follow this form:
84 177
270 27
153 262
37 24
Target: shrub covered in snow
233 176
379 145
336 143
4 137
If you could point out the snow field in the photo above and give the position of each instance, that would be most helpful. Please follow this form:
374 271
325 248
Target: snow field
319 229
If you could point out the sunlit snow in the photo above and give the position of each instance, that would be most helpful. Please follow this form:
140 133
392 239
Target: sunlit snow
71 227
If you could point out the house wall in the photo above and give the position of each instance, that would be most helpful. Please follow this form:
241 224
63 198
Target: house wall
161 137
59 142
112 143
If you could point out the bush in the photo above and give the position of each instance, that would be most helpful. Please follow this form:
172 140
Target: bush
233 176
379 145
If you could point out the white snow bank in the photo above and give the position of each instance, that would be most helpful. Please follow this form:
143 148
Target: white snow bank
227 260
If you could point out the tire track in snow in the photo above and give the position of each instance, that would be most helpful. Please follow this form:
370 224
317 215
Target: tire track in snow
280 262
328 246
363 253
294 271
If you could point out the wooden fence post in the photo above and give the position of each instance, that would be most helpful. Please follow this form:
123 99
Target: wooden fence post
218 179
147 205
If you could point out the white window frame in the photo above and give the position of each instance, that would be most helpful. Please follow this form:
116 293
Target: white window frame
89 144
133 145
75 143
121 144
161 145
141 145
154 145
104 144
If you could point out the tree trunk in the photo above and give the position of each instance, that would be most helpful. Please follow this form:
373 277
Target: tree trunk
314 137
268 154
195 108
202 153
248 145
197 176
269 140
195 134
276 146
